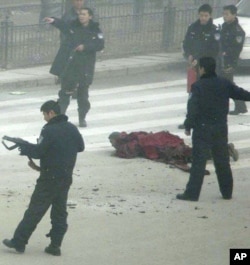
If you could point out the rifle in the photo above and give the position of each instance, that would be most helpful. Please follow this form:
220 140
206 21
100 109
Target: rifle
17 143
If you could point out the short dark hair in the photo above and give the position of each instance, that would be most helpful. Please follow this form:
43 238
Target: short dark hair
232 8
208 63
90 11
205 8
51 105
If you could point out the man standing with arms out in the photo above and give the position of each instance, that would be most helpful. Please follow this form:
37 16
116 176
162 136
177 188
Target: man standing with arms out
202 39
232 40
85 39
57 149
208 106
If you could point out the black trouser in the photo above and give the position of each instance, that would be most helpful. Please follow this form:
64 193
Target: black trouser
48 192
240 106
206 139
82 100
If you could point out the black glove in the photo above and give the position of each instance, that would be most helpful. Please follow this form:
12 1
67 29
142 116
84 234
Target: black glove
23 148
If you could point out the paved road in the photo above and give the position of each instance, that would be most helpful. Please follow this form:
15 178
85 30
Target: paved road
126 211
152 106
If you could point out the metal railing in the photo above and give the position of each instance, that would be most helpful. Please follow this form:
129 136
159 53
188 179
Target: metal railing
38 44
132 34
30 13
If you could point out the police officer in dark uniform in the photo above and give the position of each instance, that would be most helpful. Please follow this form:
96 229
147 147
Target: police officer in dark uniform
85 39
57 149
208 106
232 40
202 39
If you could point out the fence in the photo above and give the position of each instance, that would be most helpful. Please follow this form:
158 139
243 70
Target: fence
38 44
31 13
154 30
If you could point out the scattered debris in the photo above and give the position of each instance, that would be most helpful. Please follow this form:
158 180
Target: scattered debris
203 217
71 204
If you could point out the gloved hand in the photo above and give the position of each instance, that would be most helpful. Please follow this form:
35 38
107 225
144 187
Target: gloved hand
23 148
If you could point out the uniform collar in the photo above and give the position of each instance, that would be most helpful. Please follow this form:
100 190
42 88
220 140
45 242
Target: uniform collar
57 119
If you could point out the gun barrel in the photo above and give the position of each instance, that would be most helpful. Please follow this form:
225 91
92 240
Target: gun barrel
7 138
10 139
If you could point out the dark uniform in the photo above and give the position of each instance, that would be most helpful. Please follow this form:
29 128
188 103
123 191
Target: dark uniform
207 115
201 40
57 149
64 50
232 40
80 66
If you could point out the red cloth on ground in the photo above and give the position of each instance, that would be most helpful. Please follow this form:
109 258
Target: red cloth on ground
155 146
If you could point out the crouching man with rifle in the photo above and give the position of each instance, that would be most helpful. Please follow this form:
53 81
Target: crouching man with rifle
57 149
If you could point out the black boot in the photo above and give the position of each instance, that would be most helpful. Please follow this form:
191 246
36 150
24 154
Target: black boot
10 244
56 239
185 197
53 250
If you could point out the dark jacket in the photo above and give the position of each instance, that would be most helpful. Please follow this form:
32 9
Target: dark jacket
64 49
83 63
57 148
209 101
232 40
201 40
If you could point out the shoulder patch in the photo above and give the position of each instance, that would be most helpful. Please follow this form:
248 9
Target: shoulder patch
239 39
100 35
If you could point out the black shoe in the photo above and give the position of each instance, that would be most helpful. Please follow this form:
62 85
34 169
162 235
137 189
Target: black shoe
227 197
237 112
10 244
233 152
52 250
82 123
181 126
185 197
